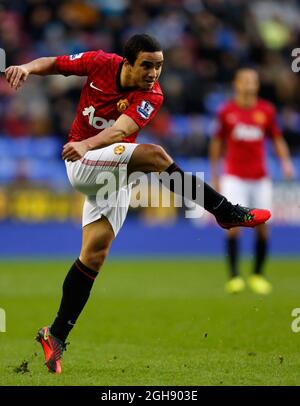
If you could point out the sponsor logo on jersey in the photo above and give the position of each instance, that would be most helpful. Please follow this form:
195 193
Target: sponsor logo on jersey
119 149
76 56
245 132
122 105
145 109
99 123
259 117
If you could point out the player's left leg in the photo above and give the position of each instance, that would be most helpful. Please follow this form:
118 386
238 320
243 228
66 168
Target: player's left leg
261 194
257 282
261 248
153 158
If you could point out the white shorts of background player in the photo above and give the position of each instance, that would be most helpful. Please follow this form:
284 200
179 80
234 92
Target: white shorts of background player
250 193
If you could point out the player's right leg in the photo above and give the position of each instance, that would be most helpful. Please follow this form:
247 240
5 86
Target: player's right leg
152 158
236 283
101 224
96 240
235 190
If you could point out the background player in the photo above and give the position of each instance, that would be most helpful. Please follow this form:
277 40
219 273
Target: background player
120 96
243 125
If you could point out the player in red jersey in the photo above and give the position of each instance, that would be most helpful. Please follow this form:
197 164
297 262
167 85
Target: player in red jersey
243 125
121 95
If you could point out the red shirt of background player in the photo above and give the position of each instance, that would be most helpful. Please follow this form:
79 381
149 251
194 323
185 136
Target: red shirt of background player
102 99
244 132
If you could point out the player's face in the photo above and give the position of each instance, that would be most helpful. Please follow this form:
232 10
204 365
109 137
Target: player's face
146 69
247 82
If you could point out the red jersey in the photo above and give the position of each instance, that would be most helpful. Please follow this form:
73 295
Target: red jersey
102 99
244 131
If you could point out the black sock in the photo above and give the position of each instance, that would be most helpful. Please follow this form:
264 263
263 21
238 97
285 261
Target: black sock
213 202
261 250
76 290
232 252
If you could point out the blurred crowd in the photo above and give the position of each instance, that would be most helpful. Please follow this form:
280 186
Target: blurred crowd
204 41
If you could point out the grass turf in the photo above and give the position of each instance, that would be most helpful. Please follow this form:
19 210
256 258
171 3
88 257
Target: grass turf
154 323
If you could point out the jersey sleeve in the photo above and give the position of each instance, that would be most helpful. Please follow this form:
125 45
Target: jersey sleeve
220 131
144 107
77 64
273 129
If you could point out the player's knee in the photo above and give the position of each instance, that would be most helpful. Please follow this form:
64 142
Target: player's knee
95 259
160 158
149 158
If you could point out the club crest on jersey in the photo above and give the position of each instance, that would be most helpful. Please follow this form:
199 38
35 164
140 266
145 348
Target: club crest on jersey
122 105
119 149
75 56
259 117
145 109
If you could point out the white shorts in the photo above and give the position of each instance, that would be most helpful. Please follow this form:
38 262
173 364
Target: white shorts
96 168
250 193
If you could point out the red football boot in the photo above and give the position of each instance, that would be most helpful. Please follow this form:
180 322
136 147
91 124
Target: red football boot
53 349
244 217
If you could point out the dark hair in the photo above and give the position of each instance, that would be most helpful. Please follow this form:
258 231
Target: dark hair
140 43
245 68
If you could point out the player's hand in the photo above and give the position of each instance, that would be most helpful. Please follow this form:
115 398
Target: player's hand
288 169
72 151
16 76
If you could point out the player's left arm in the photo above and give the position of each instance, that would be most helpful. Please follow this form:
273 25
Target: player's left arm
136 116
123 127
280 145
282 151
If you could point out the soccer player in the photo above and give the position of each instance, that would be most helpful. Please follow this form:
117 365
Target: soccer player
120 96
243 125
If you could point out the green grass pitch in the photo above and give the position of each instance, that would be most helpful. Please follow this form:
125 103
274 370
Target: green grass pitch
158 322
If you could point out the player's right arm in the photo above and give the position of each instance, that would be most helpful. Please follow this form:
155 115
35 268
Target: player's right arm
77 64
17 75
215 152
